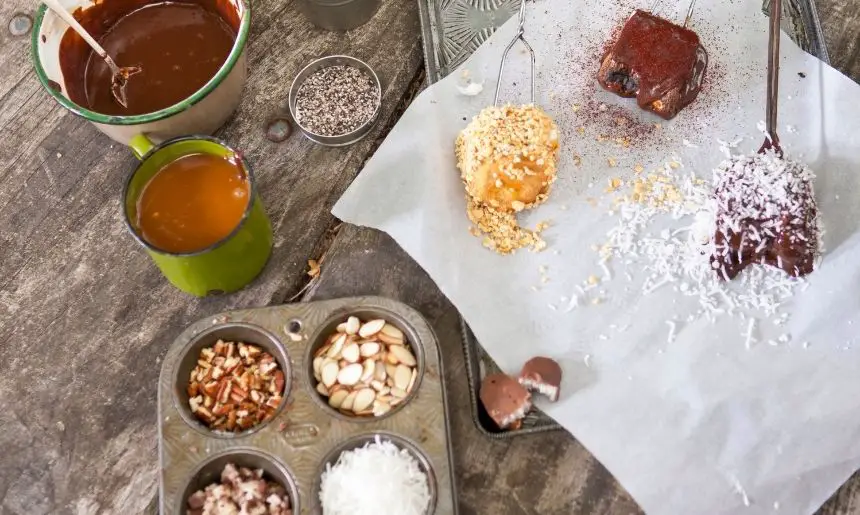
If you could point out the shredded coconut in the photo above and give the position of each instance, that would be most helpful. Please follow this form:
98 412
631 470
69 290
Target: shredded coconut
377 479
679 257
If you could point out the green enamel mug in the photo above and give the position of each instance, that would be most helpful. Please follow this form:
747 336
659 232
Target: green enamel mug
223 267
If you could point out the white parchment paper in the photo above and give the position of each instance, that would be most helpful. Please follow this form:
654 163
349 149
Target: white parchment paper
698 424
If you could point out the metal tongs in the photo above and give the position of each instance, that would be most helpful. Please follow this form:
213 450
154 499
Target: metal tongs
655 9
519 36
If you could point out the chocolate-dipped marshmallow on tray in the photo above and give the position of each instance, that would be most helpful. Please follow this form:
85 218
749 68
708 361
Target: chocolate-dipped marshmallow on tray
766 214
508 400
660 63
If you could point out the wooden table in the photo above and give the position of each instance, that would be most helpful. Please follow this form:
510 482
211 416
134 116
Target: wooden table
85 317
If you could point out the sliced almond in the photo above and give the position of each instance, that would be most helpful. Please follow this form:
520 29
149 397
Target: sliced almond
392 331
351 352
329 373
350 399
395 401
412 381
336 347
369 349
380 373
338 387
390 369
397 392
352 325
322 389
363 400
369 367
390 340
322 350
350 374
337 398
403 354
402 376
371 328
377 385
318 361
341 328
390 357
380 408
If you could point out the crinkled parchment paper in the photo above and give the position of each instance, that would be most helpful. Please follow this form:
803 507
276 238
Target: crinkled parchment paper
693 423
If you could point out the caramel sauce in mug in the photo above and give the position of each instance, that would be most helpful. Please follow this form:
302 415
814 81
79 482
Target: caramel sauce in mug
192 203
180 45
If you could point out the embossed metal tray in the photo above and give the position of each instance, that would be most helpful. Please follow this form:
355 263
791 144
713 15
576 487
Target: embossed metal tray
453 29
305 433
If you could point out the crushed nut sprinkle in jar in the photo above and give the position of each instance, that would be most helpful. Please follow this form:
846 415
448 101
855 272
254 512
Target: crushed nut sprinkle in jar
336 100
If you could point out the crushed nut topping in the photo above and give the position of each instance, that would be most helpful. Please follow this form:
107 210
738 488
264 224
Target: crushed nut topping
235 386
507 160
241 491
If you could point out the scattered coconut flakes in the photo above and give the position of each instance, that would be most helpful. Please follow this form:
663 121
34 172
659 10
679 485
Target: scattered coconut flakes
672 328
749 336
739 489
471 89
377 479
680 258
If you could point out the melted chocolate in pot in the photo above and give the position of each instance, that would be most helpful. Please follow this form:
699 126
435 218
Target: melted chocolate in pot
180 46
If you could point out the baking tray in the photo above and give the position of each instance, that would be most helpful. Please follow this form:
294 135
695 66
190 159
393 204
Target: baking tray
304 434
448 41
453 29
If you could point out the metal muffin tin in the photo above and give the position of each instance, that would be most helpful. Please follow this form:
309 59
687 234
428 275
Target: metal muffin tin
305 434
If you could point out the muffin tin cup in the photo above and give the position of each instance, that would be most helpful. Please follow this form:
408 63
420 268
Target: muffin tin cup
236 332
330 327
209 472
305 432
358 441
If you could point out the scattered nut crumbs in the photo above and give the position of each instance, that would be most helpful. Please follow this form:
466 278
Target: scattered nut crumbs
502 232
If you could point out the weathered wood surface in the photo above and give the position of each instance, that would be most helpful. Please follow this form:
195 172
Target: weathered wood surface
85 317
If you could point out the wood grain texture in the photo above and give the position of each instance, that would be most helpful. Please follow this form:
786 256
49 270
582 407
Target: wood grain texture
84 315
841 22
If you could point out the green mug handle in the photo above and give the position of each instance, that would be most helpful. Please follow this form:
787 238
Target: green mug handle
140 145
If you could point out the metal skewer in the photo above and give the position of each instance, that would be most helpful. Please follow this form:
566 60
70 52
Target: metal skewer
654 10
771 139
689 13
519 36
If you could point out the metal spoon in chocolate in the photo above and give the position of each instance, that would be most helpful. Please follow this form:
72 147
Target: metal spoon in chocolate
119 82
771 141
